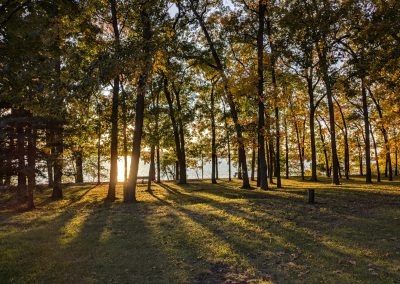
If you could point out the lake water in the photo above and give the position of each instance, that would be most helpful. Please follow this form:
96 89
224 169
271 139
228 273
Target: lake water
192 173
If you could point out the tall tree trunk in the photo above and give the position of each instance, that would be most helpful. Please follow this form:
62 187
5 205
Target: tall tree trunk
327 81
346 156
310 89
286 149
151 168
58 162
388 157
396 160
378 171
239 167
346 143
21 163
258 172
98 157
158 138
58 111
79 166
114 110
301 160
324 149
270 159
182 162
21 189
216 167
229 160
277 154
388 167
31 159
124 133
267 155
262 164
366 130
229 96
158 164
202 165
253 162
213 144
130 188
270 156
114 140
229 145
360 156
276 109
175 127
8 173
49 156
176 170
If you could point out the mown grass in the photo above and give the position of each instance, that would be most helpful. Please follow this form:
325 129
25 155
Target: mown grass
204 233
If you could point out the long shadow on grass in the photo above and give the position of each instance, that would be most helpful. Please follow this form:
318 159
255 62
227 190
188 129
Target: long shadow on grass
296 236
117 244
38 251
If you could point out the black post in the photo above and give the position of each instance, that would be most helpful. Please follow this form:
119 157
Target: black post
311 196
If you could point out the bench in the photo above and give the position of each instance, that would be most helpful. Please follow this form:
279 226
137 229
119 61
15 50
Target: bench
142 178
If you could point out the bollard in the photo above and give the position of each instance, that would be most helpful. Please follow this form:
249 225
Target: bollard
311 196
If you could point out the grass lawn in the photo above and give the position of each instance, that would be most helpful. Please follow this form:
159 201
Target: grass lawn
203 233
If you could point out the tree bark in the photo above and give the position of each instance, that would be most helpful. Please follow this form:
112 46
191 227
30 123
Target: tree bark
31 159
213 145
158 164
124 133
368 177
21 163
328 171
276 109
378 171
99 154
239 168
346 143
9 161
229 161
114 110
151 168
396 165
114 140
388 167
182 162
286 149
202 166
262 164
49 157
327 81
310 89
175 127
229 146
79 166
130 188
58 162
360 157
216 167
158 138
301 159
253 162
